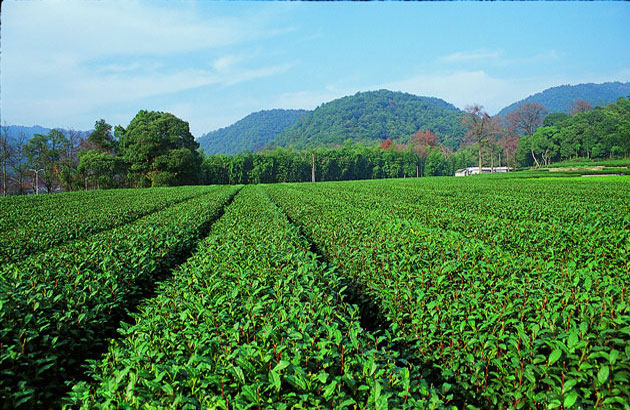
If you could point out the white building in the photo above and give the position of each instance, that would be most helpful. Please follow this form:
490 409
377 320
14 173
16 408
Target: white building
464 172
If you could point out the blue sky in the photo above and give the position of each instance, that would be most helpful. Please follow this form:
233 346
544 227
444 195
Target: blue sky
68 64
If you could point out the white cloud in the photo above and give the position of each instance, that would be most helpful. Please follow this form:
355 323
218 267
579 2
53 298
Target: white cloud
471 55
62 60
463 88
97 28
226 62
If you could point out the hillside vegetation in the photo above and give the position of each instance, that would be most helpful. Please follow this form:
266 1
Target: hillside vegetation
602 133
560 99
371 117
251 133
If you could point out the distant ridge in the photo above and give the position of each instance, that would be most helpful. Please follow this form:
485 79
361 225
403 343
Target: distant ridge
559 99
251 133
15 131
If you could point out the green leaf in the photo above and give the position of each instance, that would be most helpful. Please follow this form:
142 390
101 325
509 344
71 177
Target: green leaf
613 356
330 389
249 392
568 385
282 364
238 372
570 399
376 391
554 404
602 375
554 356
167 389
275 379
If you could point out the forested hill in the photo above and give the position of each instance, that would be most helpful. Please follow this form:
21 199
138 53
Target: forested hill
559 99
251 133
371 117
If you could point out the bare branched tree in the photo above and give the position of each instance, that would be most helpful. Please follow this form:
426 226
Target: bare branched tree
19 163
480 128
6 152
527 118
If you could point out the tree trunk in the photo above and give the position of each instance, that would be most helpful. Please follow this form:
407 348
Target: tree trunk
535 160
4 177
313 167
480 160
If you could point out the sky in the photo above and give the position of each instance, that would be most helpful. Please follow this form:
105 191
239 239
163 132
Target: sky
69 63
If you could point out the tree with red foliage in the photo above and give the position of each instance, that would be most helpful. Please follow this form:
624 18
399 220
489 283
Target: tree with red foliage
509 143
422 141
580 106
387 144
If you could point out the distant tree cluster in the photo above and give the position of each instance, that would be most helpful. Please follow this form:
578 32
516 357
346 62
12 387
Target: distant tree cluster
156 149
529 136
600 133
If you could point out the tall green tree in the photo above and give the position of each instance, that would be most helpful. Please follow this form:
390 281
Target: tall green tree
102 138
435 163
46 152
100 170
159 149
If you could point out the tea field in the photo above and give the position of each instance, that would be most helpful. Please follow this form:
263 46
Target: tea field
430 293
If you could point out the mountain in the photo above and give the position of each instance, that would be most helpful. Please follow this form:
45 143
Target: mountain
559 99
251 133
15 131
373 116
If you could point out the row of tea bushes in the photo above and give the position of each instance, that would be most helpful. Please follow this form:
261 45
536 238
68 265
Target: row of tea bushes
254 320
59 307
508 329
30 224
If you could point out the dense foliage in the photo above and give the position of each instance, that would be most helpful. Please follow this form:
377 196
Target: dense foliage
417 136
512 292
601 133
352 161
27 226
156 149
58 308
560 99
159 150
253 320
251 133
476 293
371 117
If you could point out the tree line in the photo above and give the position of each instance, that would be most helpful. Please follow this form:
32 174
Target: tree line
348 162
600 133
157 149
